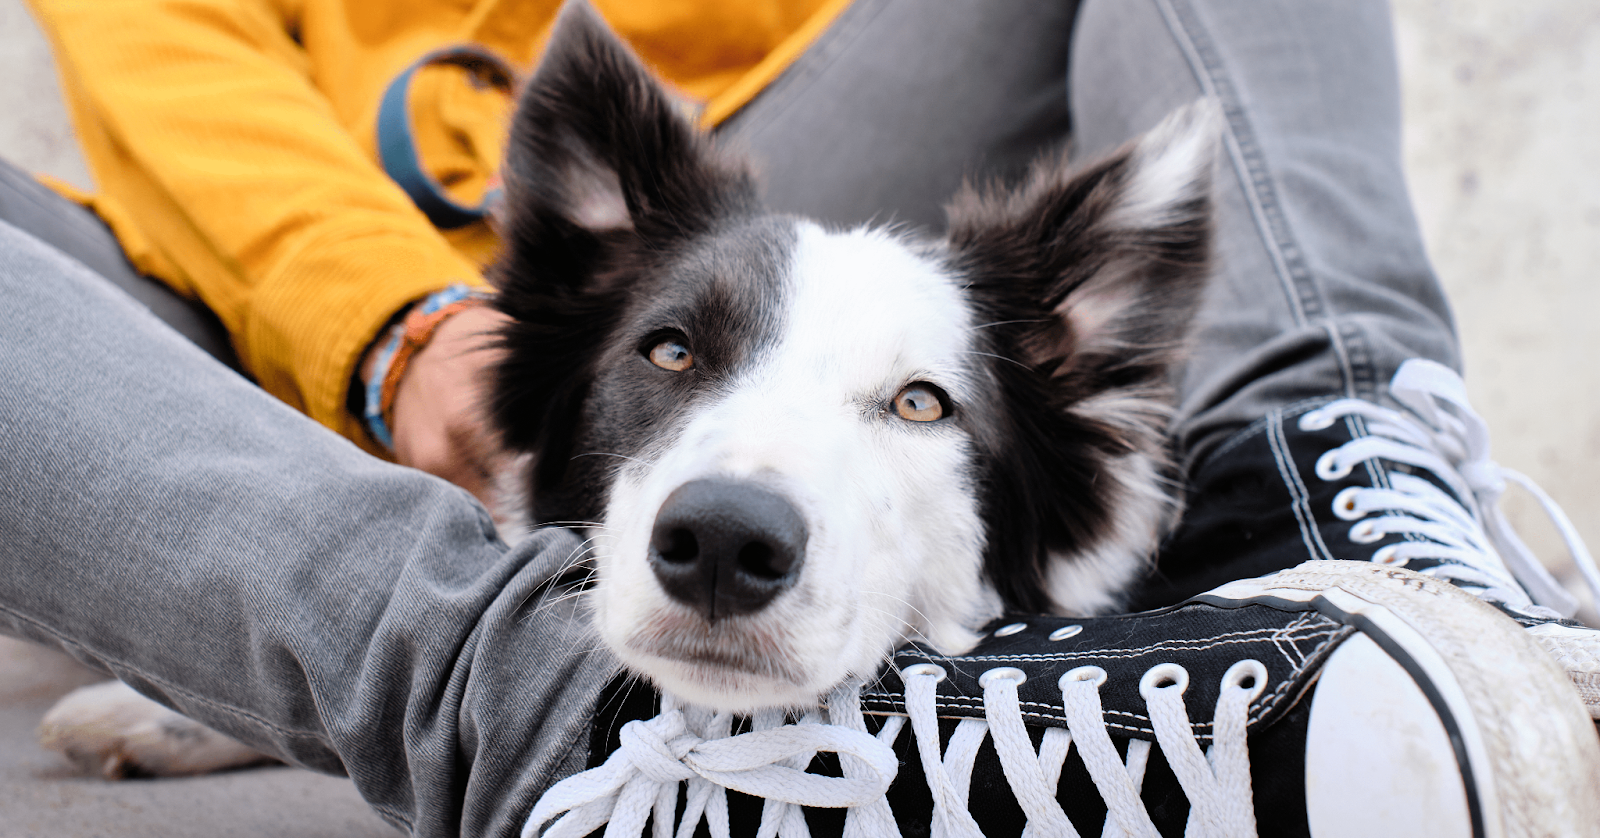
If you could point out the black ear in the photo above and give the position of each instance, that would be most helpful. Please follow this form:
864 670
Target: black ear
603 173
1089 281
598 144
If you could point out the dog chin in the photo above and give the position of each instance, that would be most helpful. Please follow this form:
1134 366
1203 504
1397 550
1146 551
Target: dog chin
738 664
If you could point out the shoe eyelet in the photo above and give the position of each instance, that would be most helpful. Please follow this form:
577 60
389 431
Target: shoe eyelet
1316 420
1164 676
1344 504
1007 673
1365 532
1248 669
1083 673
1328 467
1389 555
1065 632
1007 631
917 670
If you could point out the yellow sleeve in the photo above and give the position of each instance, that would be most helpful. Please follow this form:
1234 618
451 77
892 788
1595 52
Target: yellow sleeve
202 122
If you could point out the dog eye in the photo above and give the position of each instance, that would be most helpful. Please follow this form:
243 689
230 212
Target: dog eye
920 402
670 354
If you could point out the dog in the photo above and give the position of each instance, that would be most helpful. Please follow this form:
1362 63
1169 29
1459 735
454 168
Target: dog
794 448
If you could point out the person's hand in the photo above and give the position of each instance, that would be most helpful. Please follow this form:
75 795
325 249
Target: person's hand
439 421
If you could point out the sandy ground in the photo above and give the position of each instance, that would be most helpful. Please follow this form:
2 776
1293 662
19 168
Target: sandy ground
1502 112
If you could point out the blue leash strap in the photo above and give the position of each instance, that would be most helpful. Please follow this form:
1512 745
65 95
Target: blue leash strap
397 148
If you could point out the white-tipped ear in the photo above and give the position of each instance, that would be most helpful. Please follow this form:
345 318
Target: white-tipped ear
1116 251
1170 167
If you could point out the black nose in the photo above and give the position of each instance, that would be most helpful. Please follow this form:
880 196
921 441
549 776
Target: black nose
726 547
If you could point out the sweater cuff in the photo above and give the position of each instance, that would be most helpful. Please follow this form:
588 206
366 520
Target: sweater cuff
310 324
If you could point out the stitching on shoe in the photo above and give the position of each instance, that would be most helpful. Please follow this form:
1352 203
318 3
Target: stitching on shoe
1254 429
1263 636
1299 495
1327 633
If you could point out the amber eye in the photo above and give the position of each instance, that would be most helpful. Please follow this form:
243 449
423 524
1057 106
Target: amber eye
670 354
919 402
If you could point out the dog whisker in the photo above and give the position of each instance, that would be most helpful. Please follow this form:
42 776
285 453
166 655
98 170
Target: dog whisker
609 454
1004 323
901 600
997 357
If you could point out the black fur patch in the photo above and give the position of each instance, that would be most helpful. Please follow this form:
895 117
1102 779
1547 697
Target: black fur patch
1047 479
695 257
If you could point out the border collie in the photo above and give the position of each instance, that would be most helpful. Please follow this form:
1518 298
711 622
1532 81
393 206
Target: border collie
796 447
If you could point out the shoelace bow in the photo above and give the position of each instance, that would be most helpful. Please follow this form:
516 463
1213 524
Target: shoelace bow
687 745
1467 533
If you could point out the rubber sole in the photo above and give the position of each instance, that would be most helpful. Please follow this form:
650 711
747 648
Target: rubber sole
1526 747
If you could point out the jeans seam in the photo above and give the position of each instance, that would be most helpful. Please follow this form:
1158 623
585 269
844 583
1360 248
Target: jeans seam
1249 162
115 666
1343 353
1301 289
1361 372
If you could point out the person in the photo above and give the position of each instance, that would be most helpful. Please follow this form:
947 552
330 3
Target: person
349 615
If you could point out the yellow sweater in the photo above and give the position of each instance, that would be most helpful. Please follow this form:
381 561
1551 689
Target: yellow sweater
233 146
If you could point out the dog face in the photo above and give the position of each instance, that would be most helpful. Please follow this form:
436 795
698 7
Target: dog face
794 447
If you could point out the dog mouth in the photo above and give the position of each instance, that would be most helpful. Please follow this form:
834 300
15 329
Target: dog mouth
714 651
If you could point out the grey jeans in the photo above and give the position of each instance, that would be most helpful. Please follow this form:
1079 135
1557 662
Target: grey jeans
163 519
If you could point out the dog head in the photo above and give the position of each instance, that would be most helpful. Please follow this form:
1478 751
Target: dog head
794 447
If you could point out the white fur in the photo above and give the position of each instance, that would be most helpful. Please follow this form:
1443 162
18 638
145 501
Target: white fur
895 537
112 730
1170 166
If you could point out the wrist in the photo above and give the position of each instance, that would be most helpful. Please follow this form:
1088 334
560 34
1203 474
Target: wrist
385 362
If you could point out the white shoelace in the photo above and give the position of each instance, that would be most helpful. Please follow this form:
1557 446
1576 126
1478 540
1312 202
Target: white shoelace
1447 438
686 745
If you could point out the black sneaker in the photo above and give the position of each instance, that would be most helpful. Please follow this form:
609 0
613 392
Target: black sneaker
1336 698
1352 480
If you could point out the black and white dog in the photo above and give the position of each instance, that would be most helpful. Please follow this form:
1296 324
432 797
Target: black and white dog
793 447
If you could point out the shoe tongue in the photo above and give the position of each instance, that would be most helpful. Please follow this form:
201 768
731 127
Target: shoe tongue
1205 636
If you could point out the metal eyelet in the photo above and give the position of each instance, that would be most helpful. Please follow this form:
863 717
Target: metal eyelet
1247 669
1365 532
1328 467
1007 631
923 669
1388 554
1315 420
1008 673
1083 673
1344 504
1165 676
1065 632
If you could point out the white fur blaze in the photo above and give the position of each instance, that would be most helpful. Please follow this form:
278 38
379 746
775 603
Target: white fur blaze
895 538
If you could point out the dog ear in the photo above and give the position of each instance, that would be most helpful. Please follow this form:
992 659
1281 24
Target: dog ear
1113 256
603 173
597 144
1088 281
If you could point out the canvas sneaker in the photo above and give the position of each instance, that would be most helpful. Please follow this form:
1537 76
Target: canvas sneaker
1413 488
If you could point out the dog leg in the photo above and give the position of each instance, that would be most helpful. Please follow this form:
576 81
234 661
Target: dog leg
110 729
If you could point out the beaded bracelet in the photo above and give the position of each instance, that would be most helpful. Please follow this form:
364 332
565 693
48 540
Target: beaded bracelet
403 340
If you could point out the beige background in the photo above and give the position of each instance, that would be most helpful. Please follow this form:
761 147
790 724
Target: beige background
1503 132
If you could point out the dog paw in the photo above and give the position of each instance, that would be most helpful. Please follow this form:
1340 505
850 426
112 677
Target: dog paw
111 730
